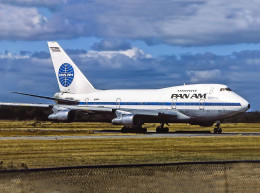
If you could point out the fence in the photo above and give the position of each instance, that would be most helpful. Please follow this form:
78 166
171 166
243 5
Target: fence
240 176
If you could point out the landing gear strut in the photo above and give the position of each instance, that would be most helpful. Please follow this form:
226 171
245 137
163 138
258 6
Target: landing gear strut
162 129
218 129
135 129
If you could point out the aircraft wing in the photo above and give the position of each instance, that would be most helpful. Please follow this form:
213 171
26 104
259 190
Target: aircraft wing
87 109
70 105
141 112
58 111
25 105
57 106
25 111
156 113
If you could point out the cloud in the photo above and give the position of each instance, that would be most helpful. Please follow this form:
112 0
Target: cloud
20 23
41 55
27 74
111 45
117 59
185 23
24 52
75 51
204 75
134 53
52 5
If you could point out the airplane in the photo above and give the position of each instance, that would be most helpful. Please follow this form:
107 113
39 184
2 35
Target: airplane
196 104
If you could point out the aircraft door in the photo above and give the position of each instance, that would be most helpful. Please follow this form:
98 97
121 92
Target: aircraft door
202 104
174 101
86 101
118 101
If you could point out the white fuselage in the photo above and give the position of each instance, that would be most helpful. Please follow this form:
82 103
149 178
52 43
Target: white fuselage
199 101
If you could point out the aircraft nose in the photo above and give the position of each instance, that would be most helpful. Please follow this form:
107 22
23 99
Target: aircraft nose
244 105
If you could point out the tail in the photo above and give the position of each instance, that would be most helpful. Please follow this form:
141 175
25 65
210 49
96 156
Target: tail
69 77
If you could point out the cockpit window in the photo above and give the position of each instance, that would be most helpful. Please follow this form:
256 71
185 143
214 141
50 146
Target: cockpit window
225 89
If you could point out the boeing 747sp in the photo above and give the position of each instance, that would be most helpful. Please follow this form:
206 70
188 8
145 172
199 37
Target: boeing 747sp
201 104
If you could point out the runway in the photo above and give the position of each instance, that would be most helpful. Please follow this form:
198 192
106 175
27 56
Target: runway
116 135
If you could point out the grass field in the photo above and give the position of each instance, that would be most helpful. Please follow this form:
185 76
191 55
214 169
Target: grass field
73 152
31 128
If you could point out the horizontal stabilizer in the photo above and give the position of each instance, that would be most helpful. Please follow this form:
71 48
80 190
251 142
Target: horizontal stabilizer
59 101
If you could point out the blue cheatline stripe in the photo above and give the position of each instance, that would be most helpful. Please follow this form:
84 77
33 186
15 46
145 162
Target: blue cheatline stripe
161 103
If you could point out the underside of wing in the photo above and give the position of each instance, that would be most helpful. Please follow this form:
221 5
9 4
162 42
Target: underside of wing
25 111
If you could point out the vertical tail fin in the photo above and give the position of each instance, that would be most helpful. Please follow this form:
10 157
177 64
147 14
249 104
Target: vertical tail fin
69 77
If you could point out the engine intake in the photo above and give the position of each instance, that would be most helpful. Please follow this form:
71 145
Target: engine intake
64 115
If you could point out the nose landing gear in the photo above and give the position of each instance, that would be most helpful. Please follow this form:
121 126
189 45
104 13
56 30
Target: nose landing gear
218 129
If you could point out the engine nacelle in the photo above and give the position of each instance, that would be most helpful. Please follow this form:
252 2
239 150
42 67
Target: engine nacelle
64 115
126 120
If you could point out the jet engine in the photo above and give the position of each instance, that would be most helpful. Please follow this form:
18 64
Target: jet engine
64 115
128 119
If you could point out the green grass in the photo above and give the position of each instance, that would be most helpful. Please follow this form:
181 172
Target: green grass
31 128
72 152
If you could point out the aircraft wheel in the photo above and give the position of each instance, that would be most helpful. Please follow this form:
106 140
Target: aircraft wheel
217 130
162 129
124 130
158 129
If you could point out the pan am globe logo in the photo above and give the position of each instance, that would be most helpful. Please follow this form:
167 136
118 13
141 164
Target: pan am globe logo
66 74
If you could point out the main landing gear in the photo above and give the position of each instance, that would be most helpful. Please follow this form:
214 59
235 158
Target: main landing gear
218 129
162 129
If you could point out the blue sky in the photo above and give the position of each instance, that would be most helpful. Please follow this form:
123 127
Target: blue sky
131 44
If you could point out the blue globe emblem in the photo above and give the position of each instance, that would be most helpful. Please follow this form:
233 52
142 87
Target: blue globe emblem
66 74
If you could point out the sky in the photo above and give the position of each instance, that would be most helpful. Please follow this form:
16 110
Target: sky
131 44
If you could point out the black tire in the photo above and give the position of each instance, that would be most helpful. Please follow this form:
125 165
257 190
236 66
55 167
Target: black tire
158 129
124 130
216 130
162 129
166 130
